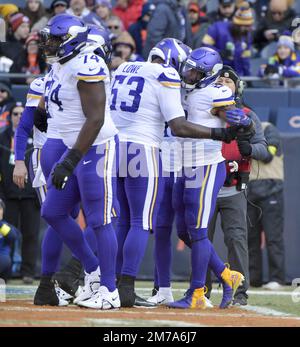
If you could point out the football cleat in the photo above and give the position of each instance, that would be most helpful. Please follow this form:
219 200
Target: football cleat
91 285
103 299
194 299
62 295
162 297
232 278
227 296
46 294
209 304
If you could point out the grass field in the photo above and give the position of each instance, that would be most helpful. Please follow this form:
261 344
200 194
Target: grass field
264 309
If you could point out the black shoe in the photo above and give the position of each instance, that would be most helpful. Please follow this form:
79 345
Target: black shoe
155 291
126 291
46 294
140 302
240 299
68 278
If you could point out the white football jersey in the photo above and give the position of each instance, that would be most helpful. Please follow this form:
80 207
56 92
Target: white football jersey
63 100
36 91
144 96
198 104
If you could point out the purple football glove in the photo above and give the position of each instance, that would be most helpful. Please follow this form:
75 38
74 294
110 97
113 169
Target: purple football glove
237 117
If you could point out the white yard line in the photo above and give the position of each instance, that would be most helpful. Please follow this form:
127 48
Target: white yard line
141 322
268 312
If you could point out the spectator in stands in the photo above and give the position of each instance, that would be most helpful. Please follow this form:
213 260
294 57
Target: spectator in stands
124 50
22 206
115 25
233 39
103 9
199 24
78 8
36 13
224 13
169 19
128 10
6 10
266 212
285 62
32 61
138 30
8 234
59 6
6 102
278 19
231 201
18 33
2 30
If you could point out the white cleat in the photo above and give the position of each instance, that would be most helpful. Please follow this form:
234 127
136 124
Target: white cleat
63 302
62 295
103 300
91 286
209 304
162 297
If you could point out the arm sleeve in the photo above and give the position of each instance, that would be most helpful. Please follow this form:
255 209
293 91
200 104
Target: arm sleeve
258 141
169 94
23 132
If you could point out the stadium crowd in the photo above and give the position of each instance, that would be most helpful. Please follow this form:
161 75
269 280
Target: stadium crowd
239 30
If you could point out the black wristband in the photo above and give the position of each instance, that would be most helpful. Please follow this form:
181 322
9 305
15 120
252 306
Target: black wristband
218 134
72 158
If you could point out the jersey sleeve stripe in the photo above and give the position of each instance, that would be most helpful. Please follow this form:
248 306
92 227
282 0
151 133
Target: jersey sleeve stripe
91 78
33 96
223 103
171 84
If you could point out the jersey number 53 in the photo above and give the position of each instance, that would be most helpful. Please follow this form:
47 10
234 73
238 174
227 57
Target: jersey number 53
136 86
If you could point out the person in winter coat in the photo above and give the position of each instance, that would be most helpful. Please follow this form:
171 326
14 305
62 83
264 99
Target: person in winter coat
170 19
233 40
129 11
138 30
124 50
36 13
6 102
22 205
285 62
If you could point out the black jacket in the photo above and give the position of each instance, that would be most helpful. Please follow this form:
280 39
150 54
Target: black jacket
8 190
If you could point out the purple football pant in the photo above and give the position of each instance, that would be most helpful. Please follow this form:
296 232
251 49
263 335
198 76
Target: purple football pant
52 243
91 183
194 201
139 191
162 235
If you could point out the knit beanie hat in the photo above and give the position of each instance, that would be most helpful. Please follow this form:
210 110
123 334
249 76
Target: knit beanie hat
243 15
17 19
285 40
8 9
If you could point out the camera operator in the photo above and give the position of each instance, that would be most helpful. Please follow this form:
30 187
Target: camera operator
231 201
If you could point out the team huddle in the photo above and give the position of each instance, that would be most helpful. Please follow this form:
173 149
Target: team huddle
136 152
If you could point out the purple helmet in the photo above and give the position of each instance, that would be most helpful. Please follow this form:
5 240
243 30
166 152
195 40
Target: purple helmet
100 38
63 37
172 51
201 68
